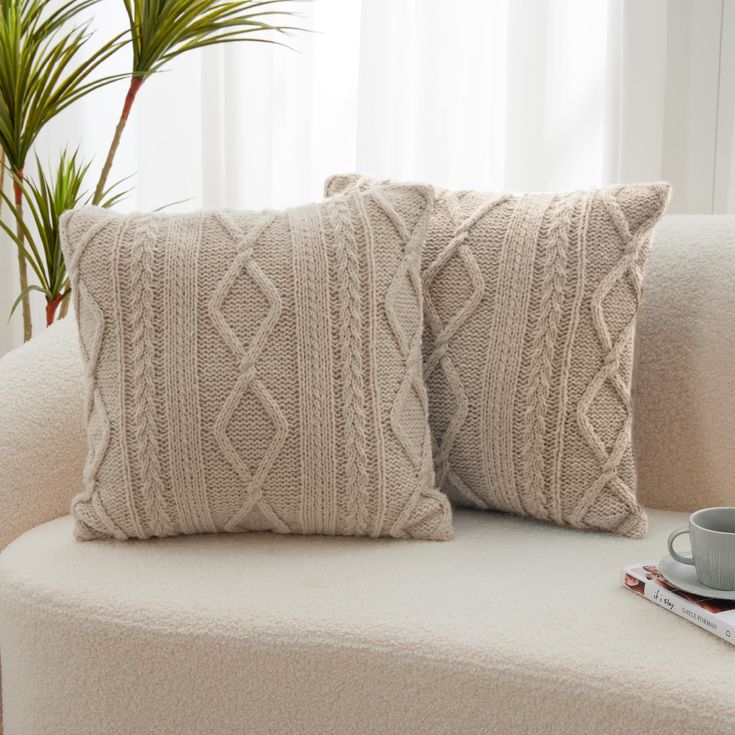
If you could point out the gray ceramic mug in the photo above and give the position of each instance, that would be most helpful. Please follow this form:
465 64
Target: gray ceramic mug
712 535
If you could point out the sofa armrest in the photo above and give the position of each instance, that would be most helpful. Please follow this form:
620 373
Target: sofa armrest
42 439
683 379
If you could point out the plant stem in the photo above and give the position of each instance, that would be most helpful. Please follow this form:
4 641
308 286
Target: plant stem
135 85
22 269
51 307
2 162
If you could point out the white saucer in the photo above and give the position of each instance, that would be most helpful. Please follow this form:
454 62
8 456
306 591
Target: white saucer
684 576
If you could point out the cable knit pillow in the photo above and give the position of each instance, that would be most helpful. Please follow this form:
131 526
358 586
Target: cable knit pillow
255 371
530 304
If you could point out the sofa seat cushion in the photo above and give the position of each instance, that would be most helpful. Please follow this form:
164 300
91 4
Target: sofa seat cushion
515 626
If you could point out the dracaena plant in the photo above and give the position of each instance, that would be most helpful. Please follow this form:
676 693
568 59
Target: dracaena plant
42 72
40 75
161 30
48 194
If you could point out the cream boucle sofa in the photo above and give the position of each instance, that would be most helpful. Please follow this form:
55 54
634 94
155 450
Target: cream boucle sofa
513 627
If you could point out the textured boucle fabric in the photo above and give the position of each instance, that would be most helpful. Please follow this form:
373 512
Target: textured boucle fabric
683 379
255 370
530 303
259 634
41 430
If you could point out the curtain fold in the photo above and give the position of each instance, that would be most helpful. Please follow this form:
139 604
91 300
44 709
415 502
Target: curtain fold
490 94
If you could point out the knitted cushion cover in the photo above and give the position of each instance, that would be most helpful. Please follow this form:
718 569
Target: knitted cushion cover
530 304
255 371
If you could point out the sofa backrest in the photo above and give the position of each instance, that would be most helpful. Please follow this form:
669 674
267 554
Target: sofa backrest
684 372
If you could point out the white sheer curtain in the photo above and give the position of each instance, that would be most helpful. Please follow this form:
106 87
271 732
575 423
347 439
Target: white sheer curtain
491 94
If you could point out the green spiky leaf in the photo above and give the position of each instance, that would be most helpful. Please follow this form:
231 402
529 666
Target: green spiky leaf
160 30
47 195
23 293
44 68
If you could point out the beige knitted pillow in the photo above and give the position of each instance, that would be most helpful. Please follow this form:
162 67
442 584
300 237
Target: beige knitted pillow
256 370
530 304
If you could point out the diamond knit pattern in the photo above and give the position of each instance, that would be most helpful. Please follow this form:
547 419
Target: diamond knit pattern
530 304
256 371
247 355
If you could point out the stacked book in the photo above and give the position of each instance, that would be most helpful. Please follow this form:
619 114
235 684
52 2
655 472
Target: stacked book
716 616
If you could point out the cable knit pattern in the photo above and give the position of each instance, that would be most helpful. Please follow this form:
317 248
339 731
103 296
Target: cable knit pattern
353 385
142 338
530 304
256 371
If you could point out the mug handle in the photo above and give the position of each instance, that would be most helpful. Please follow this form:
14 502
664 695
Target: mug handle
674 554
